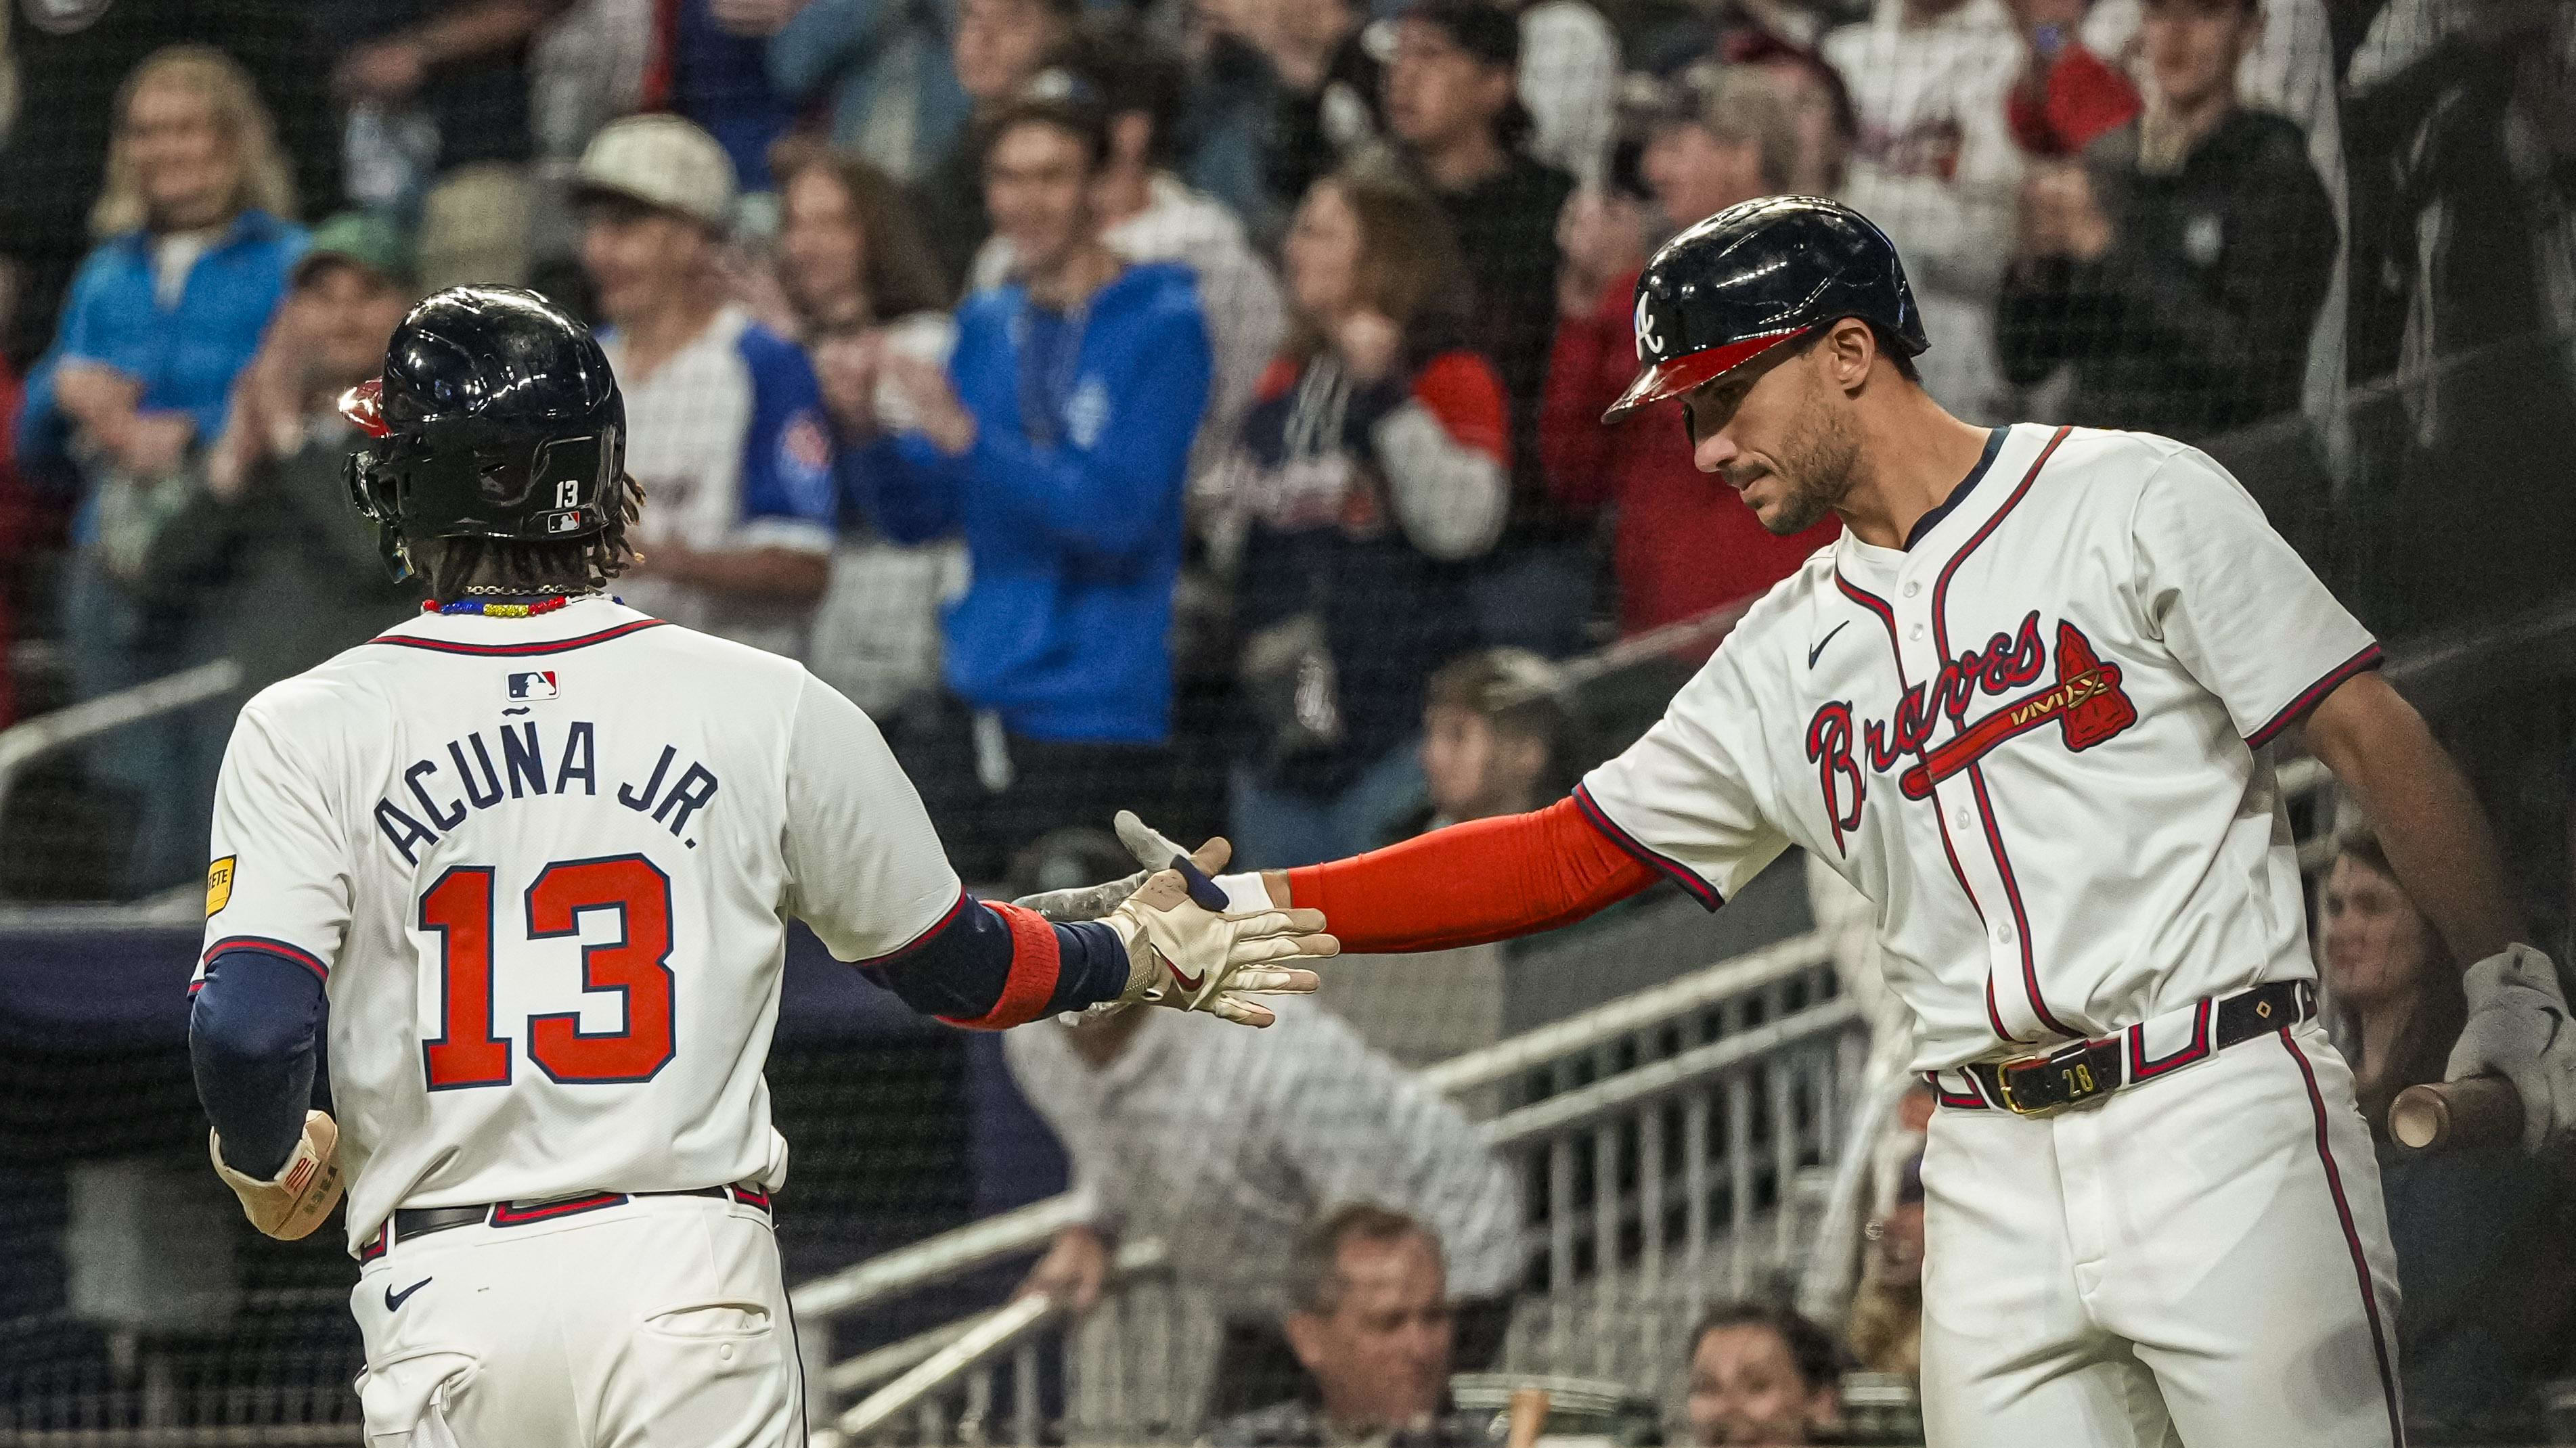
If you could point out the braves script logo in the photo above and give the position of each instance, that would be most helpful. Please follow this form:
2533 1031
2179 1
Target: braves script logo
2086 703
1648 344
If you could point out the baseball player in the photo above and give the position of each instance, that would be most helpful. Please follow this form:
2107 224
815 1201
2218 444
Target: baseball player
2022 705
539 852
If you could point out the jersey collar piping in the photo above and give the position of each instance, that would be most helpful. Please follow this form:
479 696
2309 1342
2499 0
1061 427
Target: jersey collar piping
1985 460
584 622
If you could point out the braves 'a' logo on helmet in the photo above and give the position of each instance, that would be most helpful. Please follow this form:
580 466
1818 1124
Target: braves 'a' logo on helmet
1649 345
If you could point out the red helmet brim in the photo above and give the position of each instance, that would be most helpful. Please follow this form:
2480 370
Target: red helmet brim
1678 375
364 405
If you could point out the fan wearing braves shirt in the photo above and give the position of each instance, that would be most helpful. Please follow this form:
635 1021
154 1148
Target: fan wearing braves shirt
2021 704
539 851
729 437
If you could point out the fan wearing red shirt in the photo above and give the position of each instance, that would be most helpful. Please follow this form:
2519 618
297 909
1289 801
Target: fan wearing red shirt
1681 547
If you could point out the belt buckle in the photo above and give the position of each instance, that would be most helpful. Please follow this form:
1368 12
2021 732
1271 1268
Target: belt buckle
2074 1073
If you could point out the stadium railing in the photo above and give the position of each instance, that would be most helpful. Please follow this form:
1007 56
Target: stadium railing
1679 1133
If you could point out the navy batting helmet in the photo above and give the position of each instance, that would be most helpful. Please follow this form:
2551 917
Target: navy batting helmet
496 417
1756 275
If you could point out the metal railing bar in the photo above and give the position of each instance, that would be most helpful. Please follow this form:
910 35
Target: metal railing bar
22 743
1627 1016
1628 1088
934 1259
883 1364
1000 1330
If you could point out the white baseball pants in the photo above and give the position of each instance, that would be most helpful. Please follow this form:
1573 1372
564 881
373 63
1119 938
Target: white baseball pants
662 1321
2201 1258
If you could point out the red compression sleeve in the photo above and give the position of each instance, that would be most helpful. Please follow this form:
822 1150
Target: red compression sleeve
1471 883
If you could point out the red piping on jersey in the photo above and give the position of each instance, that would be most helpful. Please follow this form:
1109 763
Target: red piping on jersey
1887 616
295 953
2361 662
916 942
516 651
1036 960
1484 880
2351 1241
1976 776
1708 895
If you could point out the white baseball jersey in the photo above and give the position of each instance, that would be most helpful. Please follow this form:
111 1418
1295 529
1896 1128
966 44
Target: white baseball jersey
2033 738
545 866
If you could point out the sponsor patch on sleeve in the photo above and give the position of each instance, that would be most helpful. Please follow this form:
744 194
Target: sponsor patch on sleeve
219 884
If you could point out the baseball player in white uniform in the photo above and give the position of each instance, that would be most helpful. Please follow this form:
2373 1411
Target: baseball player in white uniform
540 851
2022 704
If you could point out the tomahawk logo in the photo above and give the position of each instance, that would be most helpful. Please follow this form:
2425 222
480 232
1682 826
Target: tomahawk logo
533 686
2087 703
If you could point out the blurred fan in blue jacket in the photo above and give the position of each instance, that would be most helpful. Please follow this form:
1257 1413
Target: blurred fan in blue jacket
1056 444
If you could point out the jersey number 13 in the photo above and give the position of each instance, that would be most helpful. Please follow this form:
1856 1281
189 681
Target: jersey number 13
636 965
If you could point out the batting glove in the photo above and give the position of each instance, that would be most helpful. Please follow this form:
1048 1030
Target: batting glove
2518 1028
1156 851
294 1202
1183 955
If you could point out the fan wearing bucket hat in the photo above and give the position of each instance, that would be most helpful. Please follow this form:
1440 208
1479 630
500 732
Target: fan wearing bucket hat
728 433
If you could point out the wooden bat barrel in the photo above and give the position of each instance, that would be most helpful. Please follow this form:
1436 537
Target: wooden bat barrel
2456 1115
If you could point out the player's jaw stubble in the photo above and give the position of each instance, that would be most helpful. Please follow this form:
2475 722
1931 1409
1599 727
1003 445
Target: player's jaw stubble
1814 467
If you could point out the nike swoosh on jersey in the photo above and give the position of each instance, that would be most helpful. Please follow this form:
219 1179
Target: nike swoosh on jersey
1818 651
394 1300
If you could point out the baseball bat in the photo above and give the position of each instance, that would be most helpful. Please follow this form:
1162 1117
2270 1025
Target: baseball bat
2457 1115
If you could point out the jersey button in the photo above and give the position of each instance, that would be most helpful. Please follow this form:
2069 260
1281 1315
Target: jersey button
1912 589
2004 934
1918 632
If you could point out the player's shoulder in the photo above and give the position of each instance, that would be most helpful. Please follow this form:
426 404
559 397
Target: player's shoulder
2109 470
321 695
715 662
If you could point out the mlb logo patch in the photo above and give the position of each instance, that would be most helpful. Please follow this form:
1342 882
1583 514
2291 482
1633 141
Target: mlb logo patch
533 686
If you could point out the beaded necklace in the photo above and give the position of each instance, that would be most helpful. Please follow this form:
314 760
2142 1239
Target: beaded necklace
501 610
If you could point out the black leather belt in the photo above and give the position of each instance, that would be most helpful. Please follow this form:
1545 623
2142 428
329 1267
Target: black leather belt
410 1222
2078 1073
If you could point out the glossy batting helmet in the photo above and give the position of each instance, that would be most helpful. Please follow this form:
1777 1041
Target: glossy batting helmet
496 417
1756 275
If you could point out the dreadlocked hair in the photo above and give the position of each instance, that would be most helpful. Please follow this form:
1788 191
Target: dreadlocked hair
457 567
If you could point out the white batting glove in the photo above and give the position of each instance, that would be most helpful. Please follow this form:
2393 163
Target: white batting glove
1155 850
2518 1028
291 1204
1183 955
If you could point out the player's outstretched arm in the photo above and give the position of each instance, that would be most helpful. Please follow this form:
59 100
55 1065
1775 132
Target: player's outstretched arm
2443 852
1468 884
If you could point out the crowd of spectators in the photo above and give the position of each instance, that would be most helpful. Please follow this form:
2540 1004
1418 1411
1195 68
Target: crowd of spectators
1144 401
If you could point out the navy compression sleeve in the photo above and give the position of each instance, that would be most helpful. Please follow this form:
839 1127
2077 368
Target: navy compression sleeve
991 965
252 1041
